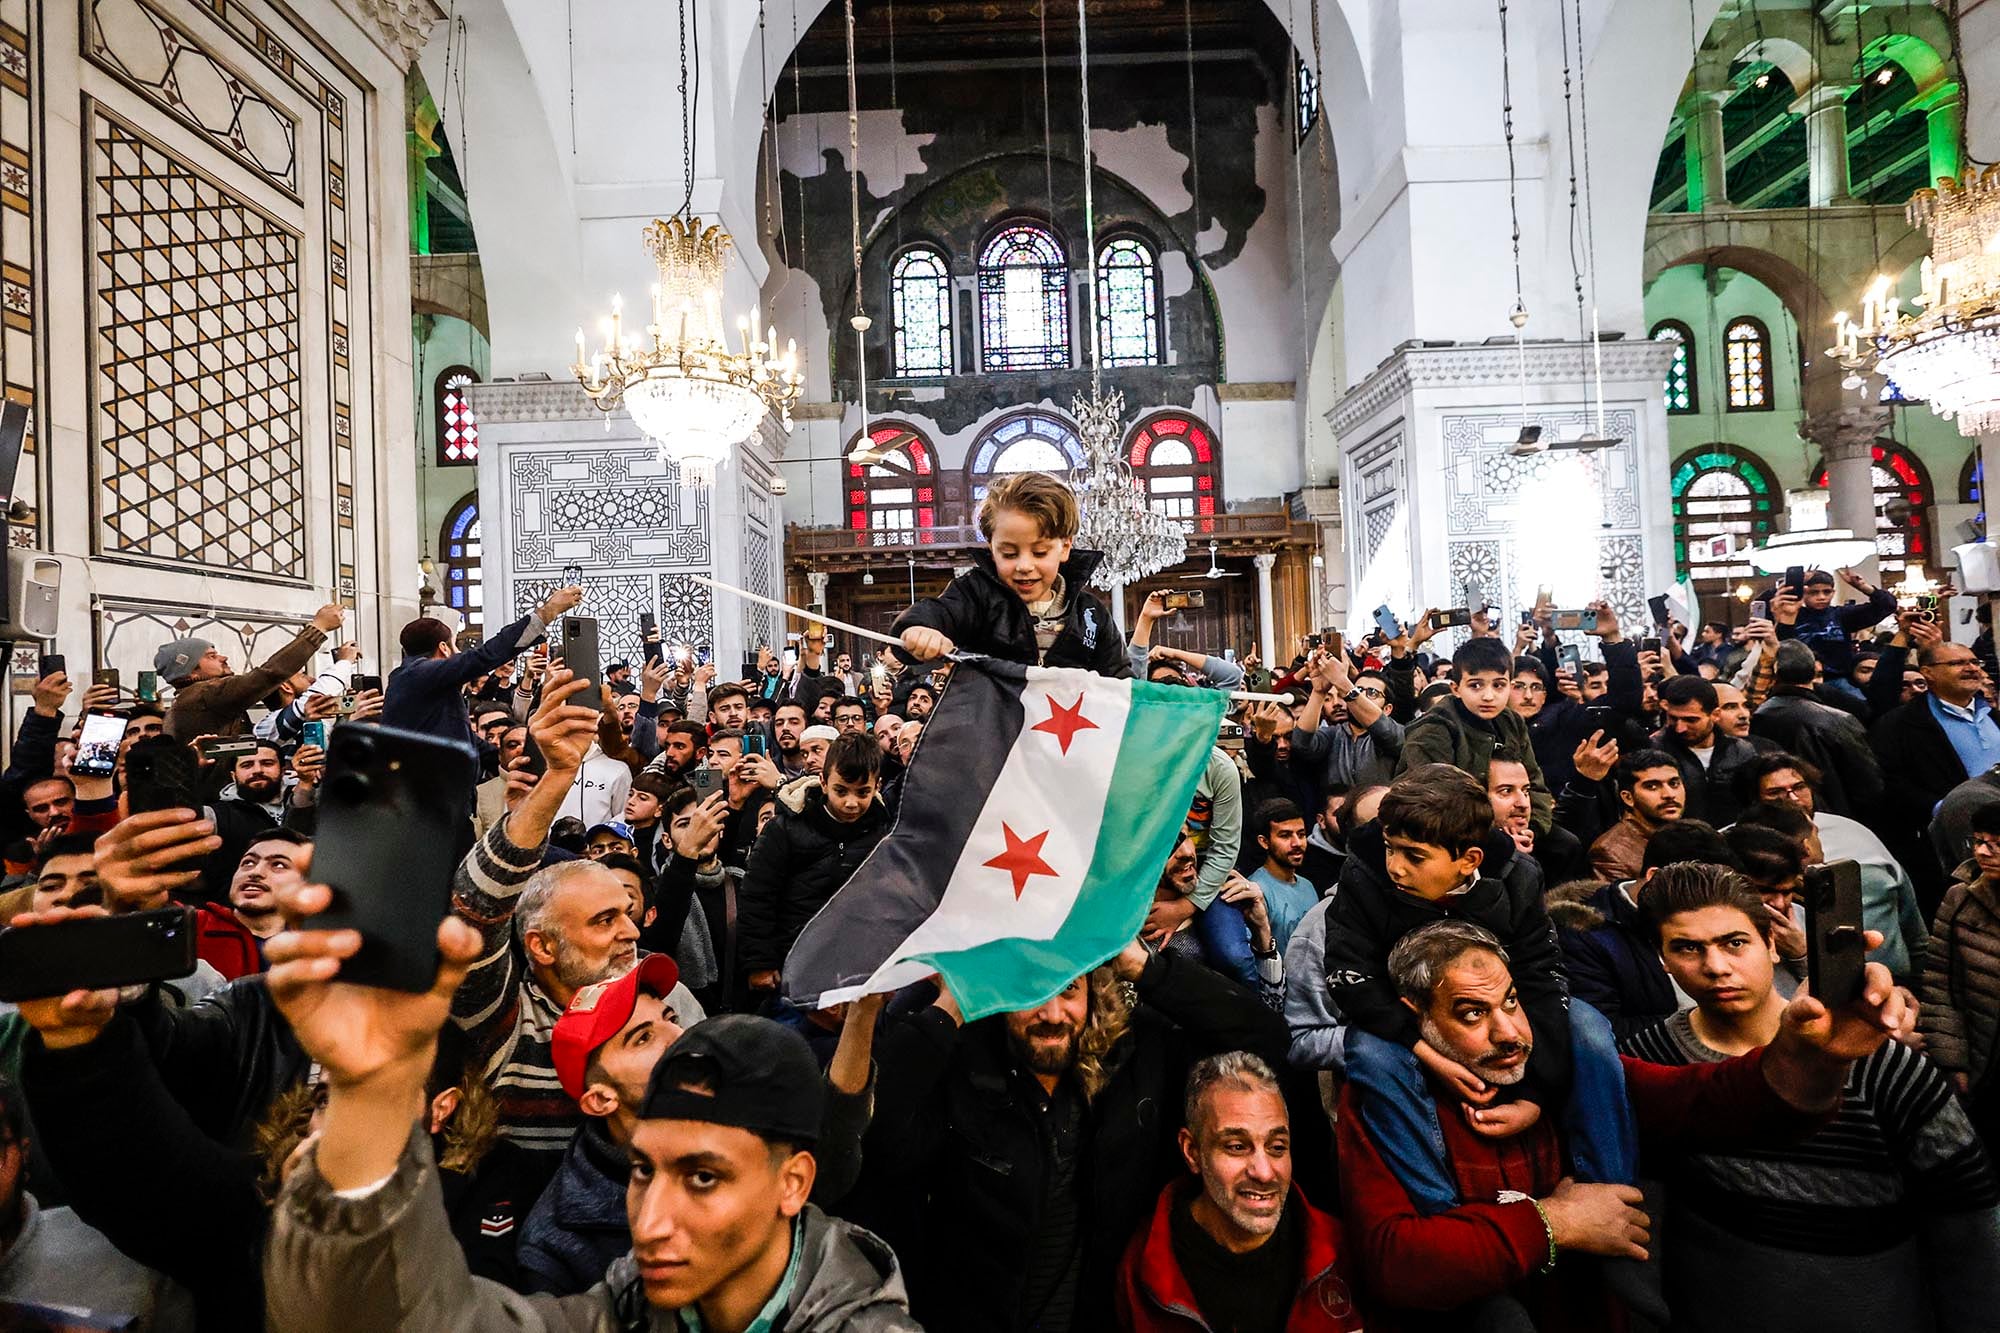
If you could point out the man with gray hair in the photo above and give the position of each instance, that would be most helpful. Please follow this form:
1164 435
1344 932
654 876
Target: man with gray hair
1238 1247
544 934
1795 720
1518 1210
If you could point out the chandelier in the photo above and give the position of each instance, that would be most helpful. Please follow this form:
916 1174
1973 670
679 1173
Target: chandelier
686 388
1134 538
1949 355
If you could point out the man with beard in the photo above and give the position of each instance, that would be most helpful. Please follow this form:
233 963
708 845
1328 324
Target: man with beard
850 713
232 937
1239 1248
788 723
1011 1158
544 935
1651 789
256 802
1519 1213
683 746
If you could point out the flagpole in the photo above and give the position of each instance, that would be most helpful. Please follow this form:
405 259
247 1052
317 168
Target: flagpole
1246 696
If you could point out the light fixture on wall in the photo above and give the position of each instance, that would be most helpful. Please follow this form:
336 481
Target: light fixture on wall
692 394
1949 355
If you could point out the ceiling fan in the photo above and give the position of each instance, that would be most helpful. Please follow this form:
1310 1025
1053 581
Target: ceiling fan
1214 570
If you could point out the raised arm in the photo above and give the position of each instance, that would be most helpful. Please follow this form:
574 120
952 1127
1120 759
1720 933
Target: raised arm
248 687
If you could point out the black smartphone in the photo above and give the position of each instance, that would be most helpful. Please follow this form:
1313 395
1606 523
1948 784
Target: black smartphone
392 811
1453 617
705 781
579 654
1836 952
367 683
97 747
1795 579
751 670
149 686
96 953
1649 645
161 774
106 676
51 664
572 576
1661 616
649 637
538 763
1528 617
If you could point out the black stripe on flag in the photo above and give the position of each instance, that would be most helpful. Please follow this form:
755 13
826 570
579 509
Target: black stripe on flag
958 759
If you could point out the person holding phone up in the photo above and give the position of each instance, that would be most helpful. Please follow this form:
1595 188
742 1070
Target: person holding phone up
427 692
212 700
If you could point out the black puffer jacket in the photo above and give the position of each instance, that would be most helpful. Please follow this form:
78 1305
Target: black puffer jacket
800 860
980 614
1834 742
225 1059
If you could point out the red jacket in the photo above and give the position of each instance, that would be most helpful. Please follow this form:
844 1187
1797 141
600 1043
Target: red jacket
1415 1270
1154 1296
225 943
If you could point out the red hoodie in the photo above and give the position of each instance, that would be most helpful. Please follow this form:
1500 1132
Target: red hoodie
1154 1296
225 943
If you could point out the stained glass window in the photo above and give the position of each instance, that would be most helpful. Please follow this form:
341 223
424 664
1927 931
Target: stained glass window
1031 441
1724 503
457 428
1902 508
460 544
1747 346
1128 304
1023 301
895 500
1683 395
920 298
1174 456
1308 108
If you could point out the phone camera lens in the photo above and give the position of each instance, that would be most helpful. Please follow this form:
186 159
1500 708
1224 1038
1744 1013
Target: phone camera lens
349 788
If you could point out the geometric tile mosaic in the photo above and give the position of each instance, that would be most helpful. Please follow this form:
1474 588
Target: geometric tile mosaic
196 322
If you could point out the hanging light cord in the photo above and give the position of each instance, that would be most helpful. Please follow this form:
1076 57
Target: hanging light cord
687 105
860 321
1519 314
1089 198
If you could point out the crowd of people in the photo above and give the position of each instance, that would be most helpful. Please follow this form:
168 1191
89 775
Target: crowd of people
1473 995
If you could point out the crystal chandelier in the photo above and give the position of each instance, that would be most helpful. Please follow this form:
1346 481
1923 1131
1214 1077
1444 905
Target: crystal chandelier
1949 355
686 388
1135 539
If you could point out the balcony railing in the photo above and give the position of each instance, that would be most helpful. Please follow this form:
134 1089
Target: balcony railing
1265 529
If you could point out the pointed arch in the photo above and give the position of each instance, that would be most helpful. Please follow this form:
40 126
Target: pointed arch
1725 499
1175 457
1683 380
1023 299
459 543
895 499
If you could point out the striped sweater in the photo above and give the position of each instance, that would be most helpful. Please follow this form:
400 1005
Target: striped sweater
508 1019
1899 1149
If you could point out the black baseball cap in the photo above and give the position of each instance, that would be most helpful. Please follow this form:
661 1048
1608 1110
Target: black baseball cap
743 1071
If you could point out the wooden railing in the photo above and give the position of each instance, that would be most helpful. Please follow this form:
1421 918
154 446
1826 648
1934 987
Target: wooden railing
1269 528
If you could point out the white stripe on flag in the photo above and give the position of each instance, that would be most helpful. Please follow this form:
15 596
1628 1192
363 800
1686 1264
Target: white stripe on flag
1040 790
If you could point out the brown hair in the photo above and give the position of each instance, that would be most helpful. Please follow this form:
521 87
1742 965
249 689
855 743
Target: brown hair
1438 805
1038 495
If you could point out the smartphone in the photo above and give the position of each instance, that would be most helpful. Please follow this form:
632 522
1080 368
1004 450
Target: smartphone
648 624
538 763
705 781
1661 616
1587 622
314 734
1570 658
1176 601
97 747
1649 645
1229 654
227 749
1230 731
1795 579
52 663
392 809
96 953
149 686
1453 617
572 576
754 742
1760 610
1836 952
1385 620
751 671
161 774
1334 642
791 658
367 683
579 654
106 676
1528 617
1570 620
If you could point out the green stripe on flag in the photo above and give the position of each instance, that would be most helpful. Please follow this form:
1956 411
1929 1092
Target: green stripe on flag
1161 758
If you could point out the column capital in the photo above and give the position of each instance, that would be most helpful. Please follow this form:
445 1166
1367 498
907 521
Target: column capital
1821 97
819 579
1265 561
1848 432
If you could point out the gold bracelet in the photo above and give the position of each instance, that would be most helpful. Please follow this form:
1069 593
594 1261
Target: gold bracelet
1517 1196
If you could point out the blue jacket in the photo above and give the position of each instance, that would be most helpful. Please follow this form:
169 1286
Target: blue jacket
427 694
1827 631
578 1226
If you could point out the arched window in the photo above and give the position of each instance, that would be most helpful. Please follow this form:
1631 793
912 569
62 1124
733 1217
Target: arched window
895 499
1023 300
1683 393
457 429
1747 359
920 300
1032 441
1128 303
1724 502
1972 486
1308 85
459 541
1173 456
1903 500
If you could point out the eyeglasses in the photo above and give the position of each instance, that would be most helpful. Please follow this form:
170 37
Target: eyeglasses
1371 692
1533 687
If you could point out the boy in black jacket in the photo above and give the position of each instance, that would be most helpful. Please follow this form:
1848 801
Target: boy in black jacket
1025 598
1433 853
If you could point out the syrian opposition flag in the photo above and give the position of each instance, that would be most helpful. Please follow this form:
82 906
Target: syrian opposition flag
1039 810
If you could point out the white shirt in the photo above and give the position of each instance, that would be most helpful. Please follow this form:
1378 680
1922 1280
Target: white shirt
598 794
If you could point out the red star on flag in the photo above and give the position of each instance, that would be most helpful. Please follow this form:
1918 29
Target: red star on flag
1022 859
1063 723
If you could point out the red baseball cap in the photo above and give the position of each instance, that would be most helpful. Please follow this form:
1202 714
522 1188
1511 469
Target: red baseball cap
597 1012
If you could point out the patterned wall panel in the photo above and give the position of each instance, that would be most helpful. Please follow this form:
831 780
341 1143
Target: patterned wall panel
1484 484
19 301
602 507
687 612
197 386
617 600
153 55
129 633
760 623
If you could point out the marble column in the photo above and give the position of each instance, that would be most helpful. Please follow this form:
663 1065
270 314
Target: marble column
1825 112
1847 442
819 580
1944 110
1115 595
1267 643
1707 171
